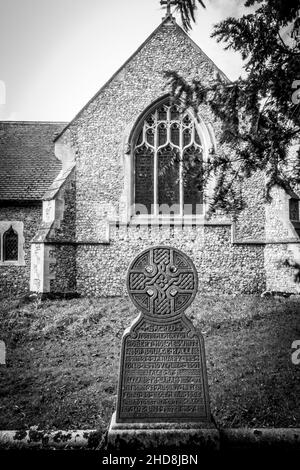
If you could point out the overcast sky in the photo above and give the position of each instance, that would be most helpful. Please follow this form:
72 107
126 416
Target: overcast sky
56 54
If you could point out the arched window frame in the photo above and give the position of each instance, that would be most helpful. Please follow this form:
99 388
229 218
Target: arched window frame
18 228
10 237
208 144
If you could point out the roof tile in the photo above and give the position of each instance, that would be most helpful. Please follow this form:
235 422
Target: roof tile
28 165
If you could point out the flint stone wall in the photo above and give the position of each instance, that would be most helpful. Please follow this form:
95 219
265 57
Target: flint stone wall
92 257
99 134
279 229
14 280
64 270
98 137
222 267
58 235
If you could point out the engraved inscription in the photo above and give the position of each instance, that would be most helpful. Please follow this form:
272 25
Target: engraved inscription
163 373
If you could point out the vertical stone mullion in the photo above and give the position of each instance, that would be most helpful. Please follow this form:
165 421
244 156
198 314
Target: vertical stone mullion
181 199
155 162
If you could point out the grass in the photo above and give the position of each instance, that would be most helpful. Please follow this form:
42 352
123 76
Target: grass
63 360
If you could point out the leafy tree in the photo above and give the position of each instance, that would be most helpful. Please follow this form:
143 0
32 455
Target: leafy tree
260 120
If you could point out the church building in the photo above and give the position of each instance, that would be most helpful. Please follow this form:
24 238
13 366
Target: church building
79 200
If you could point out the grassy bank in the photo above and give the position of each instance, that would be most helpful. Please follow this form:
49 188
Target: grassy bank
63 359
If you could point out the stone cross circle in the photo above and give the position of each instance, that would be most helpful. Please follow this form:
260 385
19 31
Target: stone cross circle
162 282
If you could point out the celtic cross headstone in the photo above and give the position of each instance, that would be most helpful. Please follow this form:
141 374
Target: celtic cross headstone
162 380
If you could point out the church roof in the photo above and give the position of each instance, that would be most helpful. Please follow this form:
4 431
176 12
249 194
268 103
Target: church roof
28 164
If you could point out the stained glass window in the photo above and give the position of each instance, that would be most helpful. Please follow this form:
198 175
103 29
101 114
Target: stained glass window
168 178
10 245
294 209
166 140
144 176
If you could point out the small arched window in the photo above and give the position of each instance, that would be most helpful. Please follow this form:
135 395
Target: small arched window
168 158
10 245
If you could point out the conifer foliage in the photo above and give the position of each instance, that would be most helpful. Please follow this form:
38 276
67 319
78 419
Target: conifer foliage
259 112
187 9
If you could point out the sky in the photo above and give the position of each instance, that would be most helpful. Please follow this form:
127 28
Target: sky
56 54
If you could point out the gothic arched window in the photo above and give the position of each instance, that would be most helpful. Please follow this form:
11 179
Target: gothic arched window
10 245
168 159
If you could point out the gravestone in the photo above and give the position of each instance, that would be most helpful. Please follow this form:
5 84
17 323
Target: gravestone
162 392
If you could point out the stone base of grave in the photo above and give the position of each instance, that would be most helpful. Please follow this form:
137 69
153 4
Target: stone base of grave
144 436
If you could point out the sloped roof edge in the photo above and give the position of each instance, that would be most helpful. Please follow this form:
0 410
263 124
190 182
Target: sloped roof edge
58 183
198 49
30 123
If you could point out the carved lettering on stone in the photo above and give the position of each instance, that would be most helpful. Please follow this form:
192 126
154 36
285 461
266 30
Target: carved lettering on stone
162 372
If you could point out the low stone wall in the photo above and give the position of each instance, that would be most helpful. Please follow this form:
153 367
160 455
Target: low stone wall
223 267
229 439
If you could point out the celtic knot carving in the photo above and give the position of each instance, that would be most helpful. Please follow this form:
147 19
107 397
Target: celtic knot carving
162 281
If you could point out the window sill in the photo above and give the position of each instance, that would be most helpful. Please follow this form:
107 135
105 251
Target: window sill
198 220
11 263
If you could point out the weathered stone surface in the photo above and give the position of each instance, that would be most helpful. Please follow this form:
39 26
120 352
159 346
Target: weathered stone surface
162 282
285 439
224 267
142 436
53 252
14 280
60 439
163 374
163 392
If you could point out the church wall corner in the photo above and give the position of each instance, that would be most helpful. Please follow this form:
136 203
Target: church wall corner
51 269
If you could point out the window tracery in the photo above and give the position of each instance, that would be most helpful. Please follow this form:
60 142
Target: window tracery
168 159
